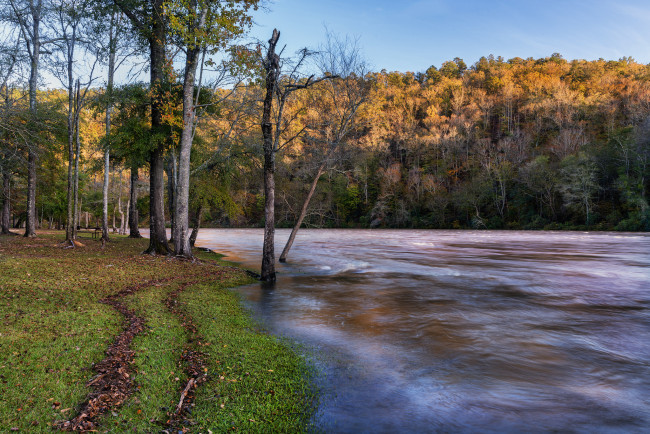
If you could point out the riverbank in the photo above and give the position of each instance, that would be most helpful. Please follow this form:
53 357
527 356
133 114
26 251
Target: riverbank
112 340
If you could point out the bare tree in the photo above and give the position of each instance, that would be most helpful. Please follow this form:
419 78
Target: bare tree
275 129
28 16
69 29
272 69
338 102
111 49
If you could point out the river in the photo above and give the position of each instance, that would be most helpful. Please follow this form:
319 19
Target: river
463 331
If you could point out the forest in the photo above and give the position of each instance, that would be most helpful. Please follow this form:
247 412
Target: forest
543 143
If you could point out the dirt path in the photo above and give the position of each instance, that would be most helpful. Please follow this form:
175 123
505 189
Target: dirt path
113 384
193 361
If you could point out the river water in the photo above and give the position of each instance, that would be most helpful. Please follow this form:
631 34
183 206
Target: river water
463 331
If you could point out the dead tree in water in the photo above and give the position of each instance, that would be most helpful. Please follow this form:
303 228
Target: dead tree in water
338 101
272 69
279 88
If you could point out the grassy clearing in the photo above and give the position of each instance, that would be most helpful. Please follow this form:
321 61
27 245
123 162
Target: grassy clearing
52 328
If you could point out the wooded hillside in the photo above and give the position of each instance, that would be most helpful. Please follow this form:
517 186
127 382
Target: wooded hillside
519 143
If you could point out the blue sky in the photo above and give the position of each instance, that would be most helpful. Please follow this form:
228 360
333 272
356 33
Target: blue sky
411 35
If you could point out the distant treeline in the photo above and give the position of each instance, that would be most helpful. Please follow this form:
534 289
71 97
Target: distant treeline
517 144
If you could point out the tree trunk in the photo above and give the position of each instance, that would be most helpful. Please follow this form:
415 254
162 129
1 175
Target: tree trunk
30 224
158 240
126 220
197 225
109 112
70 232
134 231
181 219
272 68
303 212
154 27
6 203
76 163
171 189
119 209
34 53
158 236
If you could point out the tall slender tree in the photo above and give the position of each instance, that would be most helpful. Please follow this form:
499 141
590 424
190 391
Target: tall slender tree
201 26
69 29
112 51
28 15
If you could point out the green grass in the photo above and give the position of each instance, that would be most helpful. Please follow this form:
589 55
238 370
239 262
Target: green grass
53 328
255 384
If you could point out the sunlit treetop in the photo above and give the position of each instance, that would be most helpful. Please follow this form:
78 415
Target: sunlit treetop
208 24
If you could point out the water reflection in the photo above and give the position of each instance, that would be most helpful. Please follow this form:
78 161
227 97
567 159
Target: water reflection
464 331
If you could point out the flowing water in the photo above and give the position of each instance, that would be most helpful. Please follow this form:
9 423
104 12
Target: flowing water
463 331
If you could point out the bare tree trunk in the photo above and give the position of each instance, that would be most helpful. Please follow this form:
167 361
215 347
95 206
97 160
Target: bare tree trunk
126 220
303 212
120 230
197 225
105 185
76 163
171 190
30 224
181 236
34 49
134 231
272 68
158 241
6 203
109 112
70 232
79 208
114 227
119 209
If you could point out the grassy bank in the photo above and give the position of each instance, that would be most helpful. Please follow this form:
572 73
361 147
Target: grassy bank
54 329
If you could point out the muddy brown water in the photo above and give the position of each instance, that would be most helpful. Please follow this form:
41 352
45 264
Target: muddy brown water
463 331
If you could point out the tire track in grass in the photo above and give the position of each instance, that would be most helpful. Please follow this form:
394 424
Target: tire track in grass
113 383
193 359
